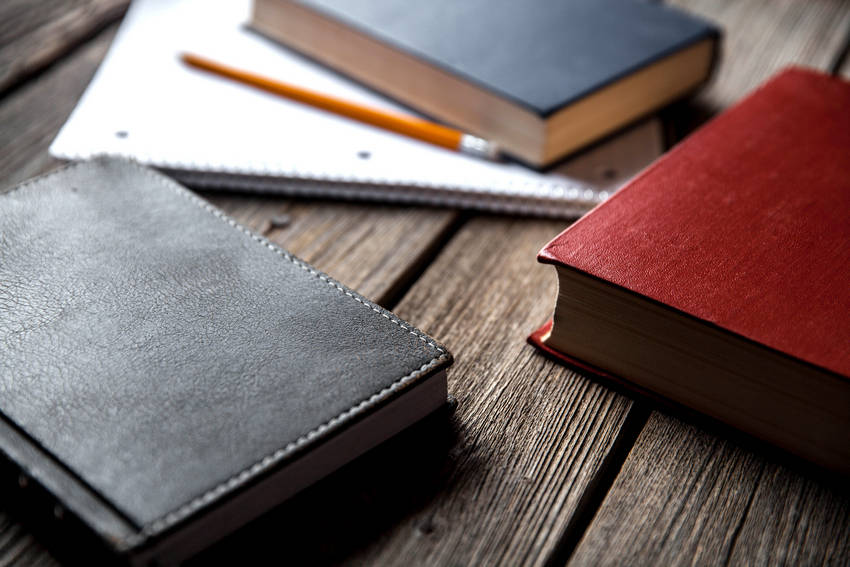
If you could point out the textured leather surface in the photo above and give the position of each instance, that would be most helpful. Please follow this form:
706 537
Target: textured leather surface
162 352
745 224
543 54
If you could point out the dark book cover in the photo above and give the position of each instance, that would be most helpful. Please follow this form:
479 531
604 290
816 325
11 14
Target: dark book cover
542 55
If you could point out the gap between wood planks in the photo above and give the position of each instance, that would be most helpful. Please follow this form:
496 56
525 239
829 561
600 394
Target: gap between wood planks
55 34
34 112
842 58
598 489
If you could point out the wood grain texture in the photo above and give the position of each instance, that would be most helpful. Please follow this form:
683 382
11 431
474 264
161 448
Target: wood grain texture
761 37
687 496
33 114
532 435
34 34
794 520
19 547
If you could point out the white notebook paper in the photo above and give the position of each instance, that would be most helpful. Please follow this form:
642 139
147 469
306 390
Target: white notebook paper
207 131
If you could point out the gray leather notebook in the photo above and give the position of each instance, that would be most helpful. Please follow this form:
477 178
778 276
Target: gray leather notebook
167 375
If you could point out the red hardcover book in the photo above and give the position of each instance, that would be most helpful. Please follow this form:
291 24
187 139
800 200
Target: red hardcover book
719 278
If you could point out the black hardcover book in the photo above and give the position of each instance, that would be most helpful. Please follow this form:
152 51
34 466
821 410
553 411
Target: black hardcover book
541 78
167 375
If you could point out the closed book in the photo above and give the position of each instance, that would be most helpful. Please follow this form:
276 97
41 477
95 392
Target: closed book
541 79
167 375
718 278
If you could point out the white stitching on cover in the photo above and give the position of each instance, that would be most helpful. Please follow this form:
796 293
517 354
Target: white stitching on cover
246 474
266 462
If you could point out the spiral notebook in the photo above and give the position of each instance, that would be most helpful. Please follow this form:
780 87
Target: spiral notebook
207 132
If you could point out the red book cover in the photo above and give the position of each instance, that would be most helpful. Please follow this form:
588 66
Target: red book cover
745 224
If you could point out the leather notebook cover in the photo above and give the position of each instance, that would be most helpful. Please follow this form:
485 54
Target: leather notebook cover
167 375
744 225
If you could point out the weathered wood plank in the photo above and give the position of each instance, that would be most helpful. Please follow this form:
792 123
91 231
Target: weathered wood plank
689 496
532 436
32 115
34 34
794 519
761 37
19 547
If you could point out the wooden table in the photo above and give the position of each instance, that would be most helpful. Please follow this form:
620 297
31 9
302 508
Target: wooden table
537 464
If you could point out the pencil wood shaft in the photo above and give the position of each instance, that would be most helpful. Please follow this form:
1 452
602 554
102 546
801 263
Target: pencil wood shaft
407 125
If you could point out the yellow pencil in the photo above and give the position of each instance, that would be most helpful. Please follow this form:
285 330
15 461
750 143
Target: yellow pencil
430 132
